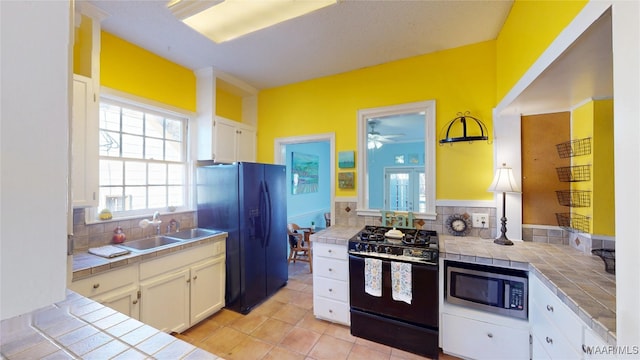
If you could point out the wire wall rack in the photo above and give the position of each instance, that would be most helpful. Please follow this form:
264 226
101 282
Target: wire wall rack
573 222
576 147
574 198
574 173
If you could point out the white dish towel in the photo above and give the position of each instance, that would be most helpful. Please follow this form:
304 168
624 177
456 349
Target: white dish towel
401 281
373 276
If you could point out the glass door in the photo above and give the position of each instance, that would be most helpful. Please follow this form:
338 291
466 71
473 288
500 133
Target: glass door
404 189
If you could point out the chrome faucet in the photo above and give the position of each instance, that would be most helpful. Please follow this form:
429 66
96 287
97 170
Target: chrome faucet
156 221
175 224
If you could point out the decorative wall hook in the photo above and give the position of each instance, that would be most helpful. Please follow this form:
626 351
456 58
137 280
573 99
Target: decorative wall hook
463 119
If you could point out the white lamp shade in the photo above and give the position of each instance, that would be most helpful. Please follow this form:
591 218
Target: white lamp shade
504 181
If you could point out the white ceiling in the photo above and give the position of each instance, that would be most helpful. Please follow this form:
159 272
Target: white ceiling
350 35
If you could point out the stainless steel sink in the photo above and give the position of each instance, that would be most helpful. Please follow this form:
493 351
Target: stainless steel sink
148 243
192 234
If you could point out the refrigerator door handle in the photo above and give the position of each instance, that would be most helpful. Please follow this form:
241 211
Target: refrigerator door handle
268 213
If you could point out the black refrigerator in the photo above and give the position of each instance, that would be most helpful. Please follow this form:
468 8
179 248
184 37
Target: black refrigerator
248 201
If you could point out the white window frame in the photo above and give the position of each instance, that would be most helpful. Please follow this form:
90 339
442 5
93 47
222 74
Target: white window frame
148 106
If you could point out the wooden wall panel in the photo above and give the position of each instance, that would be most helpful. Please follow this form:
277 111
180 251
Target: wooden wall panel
540 134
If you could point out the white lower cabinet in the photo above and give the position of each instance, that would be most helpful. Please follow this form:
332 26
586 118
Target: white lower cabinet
475 339
165 301
331 283
181 289
171 293
556 330
207 288
117 289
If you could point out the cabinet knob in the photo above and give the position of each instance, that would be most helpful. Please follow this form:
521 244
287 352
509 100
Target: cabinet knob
330 251
96 285
550 308
330 290
490 335
188 281
549 340
195 277
330 311
135 301
330 269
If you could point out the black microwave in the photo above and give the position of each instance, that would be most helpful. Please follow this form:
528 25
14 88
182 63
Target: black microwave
498 290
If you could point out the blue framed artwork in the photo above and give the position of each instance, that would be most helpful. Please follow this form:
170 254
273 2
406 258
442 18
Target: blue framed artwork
304 173
346 160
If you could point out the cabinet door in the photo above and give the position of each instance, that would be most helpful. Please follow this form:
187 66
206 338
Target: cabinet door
246 144
480 340
84 144
224 141
123 300
207 288
165 301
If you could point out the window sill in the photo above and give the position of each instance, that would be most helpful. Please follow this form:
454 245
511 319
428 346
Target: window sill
90 216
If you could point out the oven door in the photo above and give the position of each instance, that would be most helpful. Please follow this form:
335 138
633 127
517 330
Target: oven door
423 309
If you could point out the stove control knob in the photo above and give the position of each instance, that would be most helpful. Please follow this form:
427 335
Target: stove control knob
358 246
387 250
378 248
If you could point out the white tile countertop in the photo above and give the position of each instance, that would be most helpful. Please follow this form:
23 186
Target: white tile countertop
80 328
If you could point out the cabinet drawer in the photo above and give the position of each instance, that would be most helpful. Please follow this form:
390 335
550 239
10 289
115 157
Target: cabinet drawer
107 281
332 289
331 310
331 268
480 340
330 251
176 261
551 339
546 302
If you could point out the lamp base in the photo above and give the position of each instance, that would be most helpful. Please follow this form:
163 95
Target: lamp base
502 240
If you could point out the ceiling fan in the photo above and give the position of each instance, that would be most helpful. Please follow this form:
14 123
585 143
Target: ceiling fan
375 140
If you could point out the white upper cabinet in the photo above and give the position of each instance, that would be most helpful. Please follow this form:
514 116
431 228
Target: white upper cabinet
84 143
233 141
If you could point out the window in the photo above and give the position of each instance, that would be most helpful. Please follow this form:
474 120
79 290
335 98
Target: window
143 163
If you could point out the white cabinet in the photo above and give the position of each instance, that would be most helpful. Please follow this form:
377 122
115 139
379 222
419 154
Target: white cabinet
331 283
207 288
84 143
117 289
557 330
166 301
181 289
475 339
233 141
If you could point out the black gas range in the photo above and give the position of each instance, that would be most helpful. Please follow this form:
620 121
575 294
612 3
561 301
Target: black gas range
416 245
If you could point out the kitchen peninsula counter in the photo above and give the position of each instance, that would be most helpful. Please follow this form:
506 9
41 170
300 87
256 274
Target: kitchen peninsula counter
578 279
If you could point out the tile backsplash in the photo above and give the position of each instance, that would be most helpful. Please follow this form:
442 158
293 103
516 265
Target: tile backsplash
86 236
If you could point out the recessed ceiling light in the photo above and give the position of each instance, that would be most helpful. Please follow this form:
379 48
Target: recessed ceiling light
229 19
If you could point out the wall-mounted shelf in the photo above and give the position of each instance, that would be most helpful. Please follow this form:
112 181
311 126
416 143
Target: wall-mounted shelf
573 222
574 173
574 198
576 147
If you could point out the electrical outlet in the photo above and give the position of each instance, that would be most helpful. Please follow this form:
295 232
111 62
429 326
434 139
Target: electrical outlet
480 220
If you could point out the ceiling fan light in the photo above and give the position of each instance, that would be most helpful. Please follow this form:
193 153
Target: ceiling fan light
230 19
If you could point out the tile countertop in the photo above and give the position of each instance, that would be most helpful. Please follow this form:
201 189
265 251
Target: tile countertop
578 279
80 328
85 264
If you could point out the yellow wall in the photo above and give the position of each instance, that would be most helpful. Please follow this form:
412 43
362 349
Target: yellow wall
594 119
529 29
458 80
228 105
131 69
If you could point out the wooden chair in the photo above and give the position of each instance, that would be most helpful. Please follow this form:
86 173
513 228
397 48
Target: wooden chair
299 245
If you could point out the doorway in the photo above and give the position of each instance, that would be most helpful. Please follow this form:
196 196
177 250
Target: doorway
303 208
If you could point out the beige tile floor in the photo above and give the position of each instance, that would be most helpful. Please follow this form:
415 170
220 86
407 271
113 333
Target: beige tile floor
283 327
